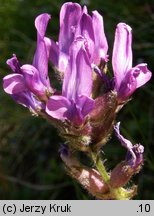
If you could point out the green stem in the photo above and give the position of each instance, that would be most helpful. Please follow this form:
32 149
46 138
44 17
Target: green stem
101 168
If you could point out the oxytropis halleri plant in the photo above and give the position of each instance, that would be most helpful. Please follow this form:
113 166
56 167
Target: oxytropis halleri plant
85 109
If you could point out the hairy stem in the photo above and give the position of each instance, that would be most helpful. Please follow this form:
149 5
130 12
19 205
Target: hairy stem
101 168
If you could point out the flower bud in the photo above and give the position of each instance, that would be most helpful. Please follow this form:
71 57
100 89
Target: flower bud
102 118
89 178
122 173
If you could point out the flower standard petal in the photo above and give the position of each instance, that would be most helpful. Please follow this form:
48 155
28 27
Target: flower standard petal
101 45
77 87
122 53
83 83
70 76
41 23
127 79
85 29
75 94
74 81
40 60
69 17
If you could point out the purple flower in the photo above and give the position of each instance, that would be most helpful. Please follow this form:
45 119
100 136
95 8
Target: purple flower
134 152
14 84
30 80
75 22
127 79
75 103
36 75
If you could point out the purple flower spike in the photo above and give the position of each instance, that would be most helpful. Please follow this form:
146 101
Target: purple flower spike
127 79
134 153
75 102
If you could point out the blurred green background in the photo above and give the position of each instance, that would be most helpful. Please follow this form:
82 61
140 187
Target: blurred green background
30 166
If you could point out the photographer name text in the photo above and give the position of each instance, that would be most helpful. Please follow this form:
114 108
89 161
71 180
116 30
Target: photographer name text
41 209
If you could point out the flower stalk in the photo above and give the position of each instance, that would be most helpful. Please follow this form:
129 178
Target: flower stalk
100 167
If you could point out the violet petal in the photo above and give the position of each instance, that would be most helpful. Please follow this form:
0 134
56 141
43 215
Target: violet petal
14 64
122 53
124 142
85 29
135 77
101 45
136 161
32 79
69 17
74 81
40 60
26 99
58 106
143 75
14 83
86 103
54 54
